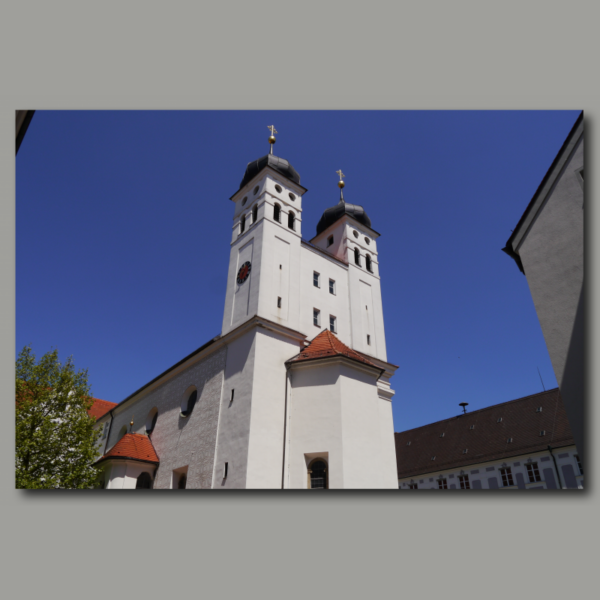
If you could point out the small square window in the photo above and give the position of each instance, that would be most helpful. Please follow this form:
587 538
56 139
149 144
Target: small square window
509 441
330 241
472 427
465 451
316 278
499 420
332 287
538 409
332 324
543 432
316 317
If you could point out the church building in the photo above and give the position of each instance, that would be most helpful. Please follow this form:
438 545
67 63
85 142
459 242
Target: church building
295 391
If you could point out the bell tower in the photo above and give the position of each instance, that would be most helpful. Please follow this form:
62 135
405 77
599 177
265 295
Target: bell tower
265 244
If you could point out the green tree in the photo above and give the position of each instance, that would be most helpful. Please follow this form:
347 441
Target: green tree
56 443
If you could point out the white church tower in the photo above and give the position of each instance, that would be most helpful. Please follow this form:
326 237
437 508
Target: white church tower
295 391
331 406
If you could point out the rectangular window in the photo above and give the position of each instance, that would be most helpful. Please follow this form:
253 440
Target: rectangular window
579 464
329 241
442 484
368 339
413 486
278 302
316 277
507 478
332 287
332 324
464 482
316 317
533 472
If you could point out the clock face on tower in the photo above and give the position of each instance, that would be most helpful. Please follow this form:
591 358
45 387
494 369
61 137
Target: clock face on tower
244 272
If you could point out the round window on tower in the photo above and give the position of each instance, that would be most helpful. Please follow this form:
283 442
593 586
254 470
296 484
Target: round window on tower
292 197
367 240
278 188
255 190
244 200
355 233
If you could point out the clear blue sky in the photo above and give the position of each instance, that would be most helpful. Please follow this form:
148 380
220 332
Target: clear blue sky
124 223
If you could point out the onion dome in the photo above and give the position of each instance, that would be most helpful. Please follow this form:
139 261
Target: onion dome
280 165
331 215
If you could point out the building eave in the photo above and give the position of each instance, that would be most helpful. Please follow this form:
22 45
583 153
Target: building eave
543 191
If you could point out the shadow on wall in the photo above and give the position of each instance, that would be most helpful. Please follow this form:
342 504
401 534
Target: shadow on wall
572 386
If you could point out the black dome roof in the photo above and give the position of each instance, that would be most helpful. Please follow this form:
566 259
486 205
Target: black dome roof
331 215
270 160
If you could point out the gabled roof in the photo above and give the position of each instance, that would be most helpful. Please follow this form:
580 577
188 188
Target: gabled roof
100 408
545 187
133 446
327 345
487 441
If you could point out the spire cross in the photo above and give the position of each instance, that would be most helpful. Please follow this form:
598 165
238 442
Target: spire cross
272 128
340 174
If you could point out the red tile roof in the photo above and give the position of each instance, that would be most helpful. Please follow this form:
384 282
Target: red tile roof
100 407
325 345
133 446
487 441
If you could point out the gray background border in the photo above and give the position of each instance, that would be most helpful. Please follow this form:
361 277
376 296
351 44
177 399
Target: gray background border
334 55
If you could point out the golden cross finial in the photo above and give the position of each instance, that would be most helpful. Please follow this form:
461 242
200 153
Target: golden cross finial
340 174
272 138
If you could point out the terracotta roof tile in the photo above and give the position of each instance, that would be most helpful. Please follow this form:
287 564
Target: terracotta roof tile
133 446
325 345
100 407
487 440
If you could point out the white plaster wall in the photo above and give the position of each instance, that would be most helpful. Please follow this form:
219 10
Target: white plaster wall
312 297
180 441
389 465
365 466
315 425
265 451
552 256
123 474
335 409
487 470
365 291
234 419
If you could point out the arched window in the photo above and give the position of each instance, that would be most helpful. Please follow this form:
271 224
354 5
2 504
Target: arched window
151 420
357 256
144 481
277 213
317 474
182 482
189 406
255 214
291 220
368 263
242 224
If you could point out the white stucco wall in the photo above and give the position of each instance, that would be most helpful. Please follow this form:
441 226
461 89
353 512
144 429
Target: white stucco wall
335 409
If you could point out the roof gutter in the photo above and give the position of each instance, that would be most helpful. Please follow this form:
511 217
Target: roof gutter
556 467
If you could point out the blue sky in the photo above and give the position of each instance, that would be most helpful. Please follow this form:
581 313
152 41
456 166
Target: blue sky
124 223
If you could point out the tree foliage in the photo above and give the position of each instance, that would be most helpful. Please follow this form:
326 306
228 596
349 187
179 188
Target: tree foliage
56 443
